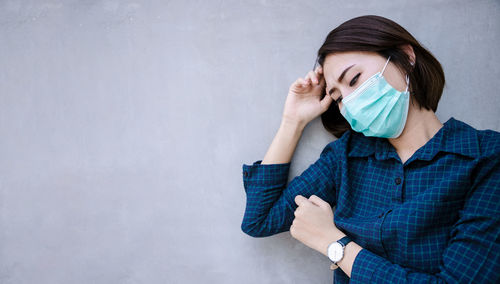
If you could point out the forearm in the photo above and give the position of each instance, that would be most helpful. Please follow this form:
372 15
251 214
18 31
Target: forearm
284 143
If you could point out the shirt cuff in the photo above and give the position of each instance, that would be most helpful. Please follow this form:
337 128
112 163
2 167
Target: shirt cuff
265 174
364 266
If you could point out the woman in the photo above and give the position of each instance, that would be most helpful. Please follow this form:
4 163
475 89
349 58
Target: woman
416 200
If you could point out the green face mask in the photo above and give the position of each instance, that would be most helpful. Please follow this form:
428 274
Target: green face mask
377 109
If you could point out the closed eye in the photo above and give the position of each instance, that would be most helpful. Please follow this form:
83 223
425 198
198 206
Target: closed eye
354 80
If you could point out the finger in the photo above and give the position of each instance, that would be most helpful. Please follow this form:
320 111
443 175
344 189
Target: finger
318 201
319 70
313 77
299 199
322 81
307 80
304 82
326 102
300 82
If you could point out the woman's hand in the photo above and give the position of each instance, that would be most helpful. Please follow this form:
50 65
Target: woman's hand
314 225
304 102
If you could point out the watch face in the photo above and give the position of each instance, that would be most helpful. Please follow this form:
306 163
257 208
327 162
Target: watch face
335 252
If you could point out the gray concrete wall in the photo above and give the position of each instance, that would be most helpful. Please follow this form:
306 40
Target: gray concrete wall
124 125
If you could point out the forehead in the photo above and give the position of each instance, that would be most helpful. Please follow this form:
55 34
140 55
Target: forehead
335 63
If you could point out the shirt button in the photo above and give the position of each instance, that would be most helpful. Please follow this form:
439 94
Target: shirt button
245 173
398 180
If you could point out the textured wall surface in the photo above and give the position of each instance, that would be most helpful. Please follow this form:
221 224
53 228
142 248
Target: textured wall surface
124 125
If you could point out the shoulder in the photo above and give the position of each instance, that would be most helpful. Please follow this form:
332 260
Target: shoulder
351 144
338 144
477 143
489 142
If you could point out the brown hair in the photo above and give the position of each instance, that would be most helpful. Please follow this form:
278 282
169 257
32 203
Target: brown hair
385 37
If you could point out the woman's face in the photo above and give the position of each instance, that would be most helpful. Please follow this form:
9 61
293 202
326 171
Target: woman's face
360 66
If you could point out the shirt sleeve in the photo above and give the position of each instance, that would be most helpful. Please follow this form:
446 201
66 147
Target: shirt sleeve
473 251
270 201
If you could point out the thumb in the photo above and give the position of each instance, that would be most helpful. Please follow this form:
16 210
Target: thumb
299 199
318 201
325 102
327 99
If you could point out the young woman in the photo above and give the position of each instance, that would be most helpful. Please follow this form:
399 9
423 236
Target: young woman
416 200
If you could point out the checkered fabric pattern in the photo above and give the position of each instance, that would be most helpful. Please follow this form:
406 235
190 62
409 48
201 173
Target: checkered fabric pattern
433 219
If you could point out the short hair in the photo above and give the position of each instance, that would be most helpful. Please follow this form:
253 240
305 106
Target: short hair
385 37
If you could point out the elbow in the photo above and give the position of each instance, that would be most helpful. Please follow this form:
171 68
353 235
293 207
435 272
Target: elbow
252 230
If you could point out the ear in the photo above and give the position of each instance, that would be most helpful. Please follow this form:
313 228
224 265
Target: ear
408 49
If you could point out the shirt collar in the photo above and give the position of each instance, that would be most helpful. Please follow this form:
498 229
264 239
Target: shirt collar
360 145
454 137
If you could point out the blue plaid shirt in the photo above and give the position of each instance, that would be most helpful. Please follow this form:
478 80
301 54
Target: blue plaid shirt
433 219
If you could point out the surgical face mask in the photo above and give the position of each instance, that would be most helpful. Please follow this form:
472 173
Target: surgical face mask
375 108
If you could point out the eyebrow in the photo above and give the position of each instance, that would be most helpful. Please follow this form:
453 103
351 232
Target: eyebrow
340 78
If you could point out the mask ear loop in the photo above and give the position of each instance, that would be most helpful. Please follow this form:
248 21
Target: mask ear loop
407 78
385 65
407 83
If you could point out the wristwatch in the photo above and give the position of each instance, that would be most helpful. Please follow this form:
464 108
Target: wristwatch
336 249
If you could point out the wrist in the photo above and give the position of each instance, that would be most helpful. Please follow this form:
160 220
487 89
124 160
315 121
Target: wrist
351 250
293 124
330 238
